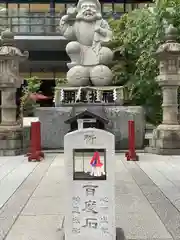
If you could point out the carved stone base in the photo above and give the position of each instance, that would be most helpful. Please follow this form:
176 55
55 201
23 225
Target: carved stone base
89 94
165 140
119 234
11 141
52 135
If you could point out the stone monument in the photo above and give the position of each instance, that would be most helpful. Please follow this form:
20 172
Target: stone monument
89 81
90 195
87 32
11 133
166 137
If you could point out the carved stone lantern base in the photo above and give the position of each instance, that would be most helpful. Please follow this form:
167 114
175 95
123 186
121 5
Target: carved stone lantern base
11 140
165 140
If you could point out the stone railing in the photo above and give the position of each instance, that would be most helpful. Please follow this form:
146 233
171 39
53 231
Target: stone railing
90 94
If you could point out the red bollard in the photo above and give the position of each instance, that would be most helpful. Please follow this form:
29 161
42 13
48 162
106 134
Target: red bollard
131 154
35 143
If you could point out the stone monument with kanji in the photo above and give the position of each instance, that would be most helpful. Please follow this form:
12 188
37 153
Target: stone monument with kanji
90 185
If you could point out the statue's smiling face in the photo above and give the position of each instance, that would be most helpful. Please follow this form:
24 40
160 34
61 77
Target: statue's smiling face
88 12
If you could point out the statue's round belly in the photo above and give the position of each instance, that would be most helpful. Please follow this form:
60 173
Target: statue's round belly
85 37
86 42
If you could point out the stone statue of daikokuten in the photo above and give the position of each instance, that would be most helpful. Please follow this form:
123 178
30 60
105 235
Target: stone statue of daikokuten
87 31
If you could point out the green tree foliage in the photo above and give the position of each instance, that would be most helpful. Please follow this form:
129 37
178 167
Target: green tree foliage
27 104
137 36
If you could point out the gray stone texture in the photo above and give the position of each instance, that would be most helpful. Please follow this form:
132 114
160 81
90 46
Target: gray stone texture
89 138
13 207
142 209
151 174
10 131
89 57
77 94
11 141
12 181
119 117
26 138
134 213
39 227
14 142
53 127
44 206
166 137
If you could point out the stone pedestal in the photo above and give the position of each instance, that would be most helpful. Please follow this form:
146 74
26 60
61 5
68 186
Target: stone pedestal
166 137
11 141
166 140
89 94
52 135
11 133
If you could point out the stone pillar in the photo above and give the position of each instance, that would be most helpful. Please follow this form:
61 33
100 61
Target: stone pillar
166 137
11 133
8 106
170 105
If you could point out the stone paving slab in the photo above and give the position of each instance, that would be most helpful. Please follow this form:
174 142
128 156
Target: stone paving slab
12 209
167 212
13 179
44 206
166 175
47 189
43 214
41 227
7 165
48 197
3 160
133 211
35 210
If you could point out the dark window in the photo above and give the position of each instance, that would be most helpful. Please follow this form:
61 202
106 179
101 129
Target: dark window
47 89
74 126
48 56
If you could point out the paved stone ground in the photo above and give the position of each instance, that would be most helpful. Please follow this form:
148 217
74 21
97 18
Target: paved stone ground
147 197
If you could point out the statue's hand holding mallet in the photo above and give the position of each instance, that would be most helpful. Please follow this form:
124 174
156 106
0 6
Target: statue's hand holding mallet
71 12
70 16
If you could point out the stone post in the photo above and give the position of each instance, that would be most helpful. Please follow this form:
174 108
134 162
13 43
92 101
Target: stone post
11 133
166 137
8 106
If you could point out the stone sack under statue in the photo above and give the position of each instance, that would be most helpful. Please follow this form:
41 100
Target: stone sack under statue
87 32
